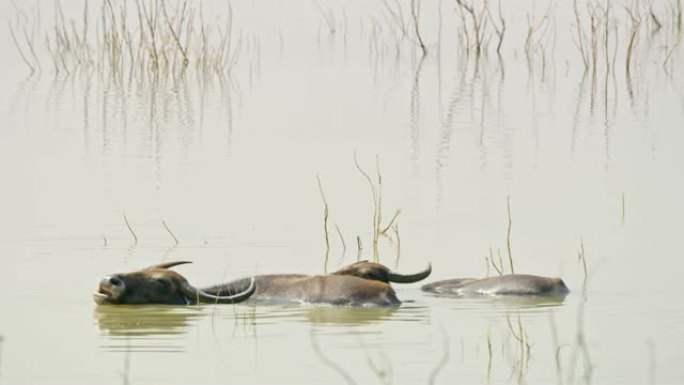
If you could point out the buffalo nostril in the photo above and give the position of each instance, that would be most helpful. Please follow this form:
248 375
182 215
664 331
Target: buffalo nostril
116 281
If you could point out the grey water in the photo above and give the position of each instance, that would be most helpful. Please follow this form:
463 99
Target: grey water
221 167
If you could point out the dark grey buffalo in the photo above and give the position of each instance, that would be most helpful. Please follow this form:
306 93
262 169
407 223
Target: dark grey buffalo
509 284
159 285
360 284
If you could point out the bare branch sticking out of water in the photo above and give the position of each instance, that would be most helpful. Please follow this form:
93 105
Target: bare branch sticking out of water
508 235
581 257
397 16
344 244
325 226
328 362
490 260
636 26
376 191
477 21
169 231
500 31
391 222
376 207
21 52
128 225
415 14
328 17
656 22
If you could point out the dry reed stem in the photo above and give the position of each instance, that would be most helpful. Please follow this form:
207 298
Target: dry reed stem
175 240
490 260
391 222
415 14
162 44
500 31
636 26
328 17
579 43
508 234
581 257
344 244
376 207
128 225
325 226
654 18
476 21
21 52
397 16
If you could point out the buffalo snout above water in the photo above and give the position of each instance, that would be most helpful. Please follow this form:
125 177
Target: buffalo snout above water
508 284
158 284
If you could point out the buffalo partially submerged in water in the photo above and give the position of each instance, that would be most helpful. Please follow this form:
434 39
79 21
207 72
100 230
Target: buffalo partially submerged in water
509 284
159 285
360 284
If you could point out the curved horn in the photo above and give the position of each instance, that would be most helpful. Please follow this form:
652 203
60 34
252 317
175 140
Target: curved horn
201 297
167 265
409 278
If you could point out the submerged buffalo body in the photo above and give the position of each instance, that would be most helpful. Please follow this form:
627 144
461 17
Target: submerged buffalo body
360 284
159 285
510 284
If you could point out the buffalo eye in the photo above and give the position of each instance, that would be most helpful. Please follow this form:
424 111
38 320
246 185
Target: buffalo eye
164 282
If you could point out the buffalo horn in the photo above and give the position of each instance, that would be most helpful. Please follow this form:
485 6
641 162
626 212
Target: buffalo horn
202 297
167 265
409 278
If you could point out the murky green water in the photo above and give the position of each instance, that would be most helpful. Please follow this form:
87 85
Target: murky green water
590 161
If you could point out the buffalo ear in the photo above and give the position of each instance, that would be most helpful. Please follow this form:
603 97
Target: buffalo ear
167 265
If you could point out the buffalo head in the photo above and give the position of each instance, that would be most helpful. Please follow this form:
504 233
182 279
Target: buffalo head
159 285
377 272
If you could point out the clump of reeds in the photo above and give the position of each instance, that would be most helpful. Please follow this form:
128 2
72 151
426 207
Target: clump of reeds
489 260
133 39
376 192
477 22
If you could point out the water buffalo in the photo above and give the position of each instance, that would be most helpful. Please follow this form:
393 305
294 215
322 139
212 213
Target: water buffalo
509 284
159 285
360 284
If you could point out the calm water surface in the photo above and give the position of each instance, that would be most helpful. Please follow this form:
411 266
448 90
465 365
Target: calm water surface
591 162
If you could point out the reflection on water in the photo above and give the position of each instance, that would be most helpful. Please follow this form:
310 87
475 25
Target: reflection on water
129 320
502 301
348 316
578 119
